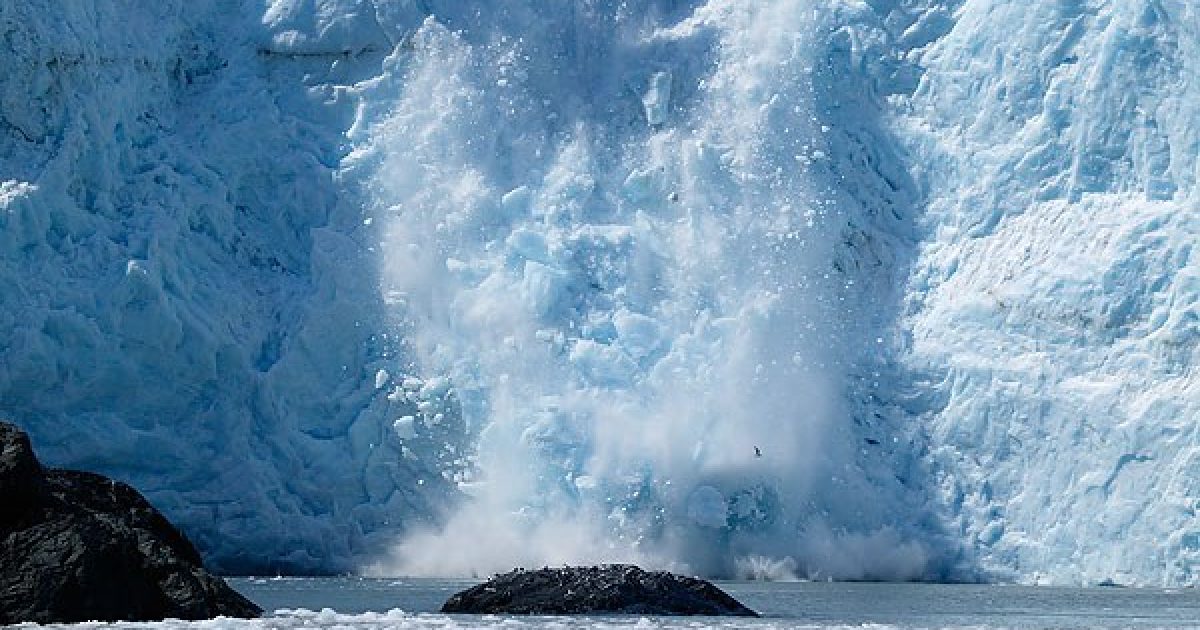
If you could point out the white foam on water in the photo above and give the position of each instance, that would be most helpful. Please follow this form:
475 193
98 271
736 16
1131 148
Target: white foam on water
399 620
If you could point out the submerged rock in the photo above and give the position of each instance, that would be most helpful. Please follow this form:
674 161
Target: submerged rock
76 546
606 589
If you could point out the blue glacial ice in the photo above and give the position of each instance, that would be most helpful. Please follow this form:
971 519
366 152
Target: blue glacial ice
899 289
189 303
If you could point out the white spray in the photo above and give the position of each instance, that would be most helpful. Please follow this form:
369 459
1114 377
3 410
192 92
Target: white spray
605 233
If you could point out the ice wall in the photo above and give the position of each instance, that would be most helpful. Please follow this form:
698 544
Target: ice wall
529 282
1053 309
188 303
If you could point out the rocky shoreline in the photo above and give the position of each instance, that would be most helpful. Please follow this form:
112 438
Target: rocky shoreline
77 546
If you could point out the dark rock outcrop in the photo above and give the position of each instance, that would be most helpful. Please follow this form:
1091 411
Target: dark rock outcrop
77 546
607 589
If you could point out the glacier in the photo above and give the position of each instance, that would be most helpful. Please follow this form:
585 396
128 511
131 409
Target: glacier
887 289
188 303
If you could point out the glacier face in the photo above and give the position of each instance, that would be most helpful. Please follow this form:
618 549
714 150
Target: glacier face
188 304
1054 302
892 289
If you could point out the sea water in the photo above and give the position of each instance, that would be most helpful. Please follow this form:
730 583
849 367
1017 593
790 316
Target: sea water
413 603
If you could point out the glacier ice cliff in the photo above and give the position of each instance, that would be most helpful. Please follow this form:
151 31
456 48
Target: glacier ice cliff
1054 306
187 304
897 289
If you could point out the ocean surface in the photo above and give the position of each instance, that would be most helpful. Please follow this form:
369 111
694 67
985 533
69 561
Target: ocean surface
413 603
364 603
781 604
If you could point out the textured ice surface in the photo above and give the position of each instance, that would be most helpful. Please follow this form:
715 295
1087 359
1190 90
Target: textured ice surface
187 303
296 269
1055 306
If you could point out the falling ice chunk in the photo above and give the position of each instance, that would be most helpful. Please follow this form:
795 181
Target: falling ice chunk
135 268
405 427
639 335
706 507
656 100
516 202
381 378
